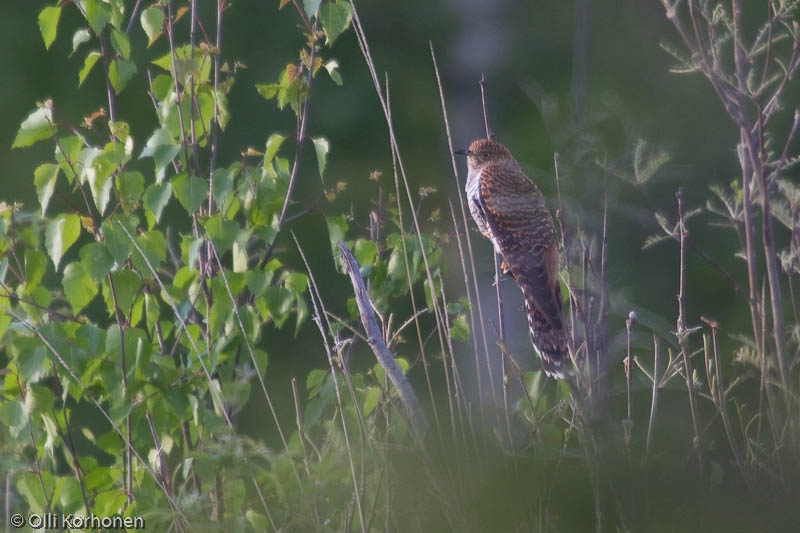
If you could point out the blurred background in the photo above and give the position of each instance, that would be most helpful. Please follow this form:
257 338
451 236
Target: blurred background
585 79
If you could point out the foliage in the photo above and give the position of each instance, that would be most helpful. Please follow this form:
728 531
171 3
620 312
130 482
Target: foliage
141 299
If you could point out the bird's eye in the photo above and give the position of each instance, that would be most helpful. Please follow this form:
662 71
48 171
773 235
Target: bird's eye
485 155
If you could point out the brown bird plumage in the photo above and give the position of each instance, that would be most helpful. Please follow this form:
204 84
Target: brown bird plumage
510 211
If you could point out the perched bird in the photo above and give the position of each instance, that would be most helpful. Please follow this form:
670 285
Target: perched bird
511 212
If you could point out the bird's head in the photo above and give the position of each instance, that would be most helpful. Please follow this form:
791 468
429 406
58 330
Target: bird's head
484 151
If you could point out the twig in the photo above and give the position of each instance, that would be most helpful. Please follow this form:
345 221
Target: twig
416 416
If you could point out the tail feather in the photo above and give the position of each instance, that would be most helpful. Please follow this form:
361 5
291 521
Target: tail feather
549 340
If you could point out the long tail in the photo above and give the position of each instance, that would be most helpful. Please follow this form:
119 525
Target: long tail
549 340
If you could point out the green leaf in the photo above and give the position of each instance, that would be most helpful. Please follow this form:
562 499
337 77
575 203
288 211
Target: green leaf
130 186
120 72
96 260
81 36
67 153
110 502
15 418
156 197
97 13
279 302
44 178
48 24
35 267
322 147
219 313
459 329
154 246
163 86
222 232
60 235
268 90
152 20
117 242
97 167
127 285
37 127
332 67
88 63
302 313
314 381
257 521
190 191
120 43
337 229
365 251
239 252
273 145
162 149
371 400
223 186
311 7
336 18
5 321
187 62
79 287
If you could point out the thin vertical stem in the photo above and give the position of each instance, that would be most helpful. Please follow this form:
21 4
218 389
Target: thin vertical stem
682 333
653 400
501 328
629 323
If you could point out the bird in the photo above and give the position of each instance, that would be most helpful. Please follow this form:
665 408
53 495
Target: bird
510 210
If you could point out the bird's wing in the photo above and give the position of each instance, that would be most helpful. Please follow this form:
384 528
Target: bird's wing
524 234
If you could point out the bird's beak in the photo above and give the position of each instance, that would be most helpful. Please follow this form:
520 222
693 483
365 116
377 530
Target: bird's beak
463 151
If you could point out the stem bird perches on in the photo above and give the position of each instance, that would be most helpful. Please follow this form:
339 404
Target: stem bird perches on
416 416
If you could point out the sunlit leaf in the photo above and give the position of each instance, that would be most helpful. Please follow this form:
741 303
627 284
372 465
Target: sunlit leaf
156 197
321 147
332 67
88 63
273 145
311 7
48 24
79 37
161 147
60 235
44 178
97 13
268 90
152 20
365 251
336 18
38 126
